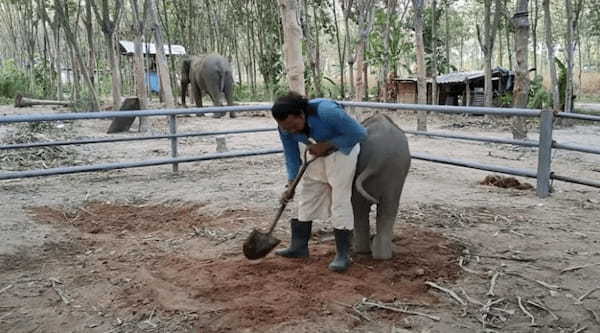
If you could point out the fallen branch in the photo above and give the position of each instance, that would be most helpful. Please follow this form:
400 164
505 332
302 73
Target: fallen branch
391 308
493 284
468 270
540 306
525 311
594 314
447 291
6 288
541 283
358 312
581 329
59 292
580 299
21 101
575 268
513 258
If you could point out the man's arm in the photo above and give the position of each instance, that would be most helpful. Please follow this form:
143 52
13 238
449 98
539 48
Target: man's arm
291 152
352 131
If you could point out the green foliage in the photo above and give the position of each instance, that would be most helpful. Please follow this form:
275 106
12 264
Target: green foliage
562 81
539 97
506 100
13 80
400 43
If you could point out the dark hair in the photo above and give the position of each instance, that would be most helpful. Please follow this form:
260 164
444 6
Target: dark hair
290 103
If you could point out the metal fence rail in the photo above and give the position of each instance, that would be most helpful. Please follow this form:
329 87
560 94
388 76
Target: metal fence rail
545 144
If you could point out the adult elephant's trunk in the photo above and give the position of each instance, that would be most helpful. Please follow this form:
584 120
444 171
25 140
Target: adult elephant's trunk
185 78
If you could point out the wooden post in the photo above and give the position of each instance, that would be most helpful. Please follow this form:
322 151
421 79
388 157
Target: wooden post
173 131
544 169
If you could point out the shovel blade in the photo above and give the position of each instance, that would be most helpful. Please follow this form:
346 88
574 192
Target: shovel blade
259 244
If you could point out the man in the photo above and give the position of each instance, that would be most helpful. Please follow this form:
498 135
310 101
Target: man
323 128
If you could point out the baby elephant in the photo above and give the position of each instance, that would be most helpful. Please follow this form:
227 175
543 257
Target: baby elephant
208 74
381 170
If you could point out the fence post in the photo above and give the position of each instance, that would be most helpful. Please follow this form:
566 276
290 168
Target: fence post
544 168
173 131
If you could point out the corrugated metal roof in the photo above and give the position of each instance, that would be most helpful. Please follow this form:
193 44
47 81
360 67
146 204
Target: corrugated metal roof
128 48
457 77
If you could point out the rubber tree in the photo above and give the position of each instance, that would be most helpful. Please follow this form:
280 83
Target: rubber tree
486 42
292 47
420 53
109 25
550 51
161 59
139 18
521 89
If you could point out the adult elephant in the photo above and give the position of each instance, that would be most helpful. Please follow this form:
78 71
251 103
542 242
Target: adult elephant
208 74
381 170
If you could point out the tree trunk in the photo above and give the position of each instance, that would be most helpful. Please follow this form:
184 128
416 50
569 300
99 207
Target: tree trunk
163 69
292 48
365 19
109 26
89 28
521 89
570 45
550 51
420 52
534 25
341 48
383 83
347 8
434 88
60 15
487 45
138 61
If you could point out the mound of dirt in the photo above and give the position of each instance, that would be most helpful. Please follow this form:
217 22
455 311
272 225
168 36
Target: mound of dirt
227 292
505 182
235 293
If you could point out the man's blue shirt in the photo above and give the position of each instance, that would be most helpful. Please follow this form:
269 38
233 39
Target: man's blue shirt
330 123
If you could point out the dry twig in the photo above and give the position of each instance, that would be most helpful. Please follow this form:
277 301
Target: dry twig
580 299
541 283
540 306
447 291
525 311
468 270
59 292
406 311
575 268
493 284
6 288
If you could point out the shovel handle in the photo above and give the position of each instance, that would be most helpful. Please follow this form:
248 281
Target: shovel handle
291 189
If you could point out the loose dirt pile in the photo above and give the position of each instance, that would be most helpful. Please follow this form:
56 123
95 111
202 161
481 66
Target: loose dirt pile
231 293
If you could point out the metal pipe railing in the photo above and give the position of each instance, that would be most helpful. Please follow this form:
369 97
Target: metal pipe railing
448 108
130 138
528 143
124 165
136 113
475 165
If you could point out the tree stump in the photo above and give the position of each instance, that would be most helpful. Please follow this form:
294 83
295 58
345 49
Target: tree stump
122 124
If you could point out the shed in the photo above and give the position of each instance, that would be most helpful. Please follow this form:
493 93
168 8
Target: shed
457 88
466 88
127 48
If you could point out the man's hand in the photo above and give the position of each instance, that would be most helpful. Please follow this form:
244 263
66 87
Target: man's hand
321 148
288 194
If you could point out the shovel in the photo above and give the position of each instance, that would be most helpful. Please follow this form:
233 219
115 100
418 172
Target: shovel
259 244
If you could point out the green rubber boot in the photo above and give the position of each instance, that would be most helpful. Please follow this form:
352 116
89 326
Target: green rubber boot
341 263
299 243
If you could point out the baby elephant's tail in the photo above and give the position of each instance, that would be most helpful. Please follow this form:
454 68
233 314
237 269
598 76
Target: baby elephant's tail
368 172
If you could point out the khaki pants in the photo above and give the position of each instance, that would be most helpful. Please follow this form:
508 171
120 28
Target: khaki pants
326 189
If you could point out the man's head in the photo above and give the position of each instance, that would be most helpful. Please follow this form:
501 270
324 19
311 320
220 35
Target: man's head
290 112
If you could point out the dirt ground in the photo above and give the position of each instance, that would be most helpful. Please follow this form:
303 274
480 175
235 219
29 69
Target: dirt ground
146 250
